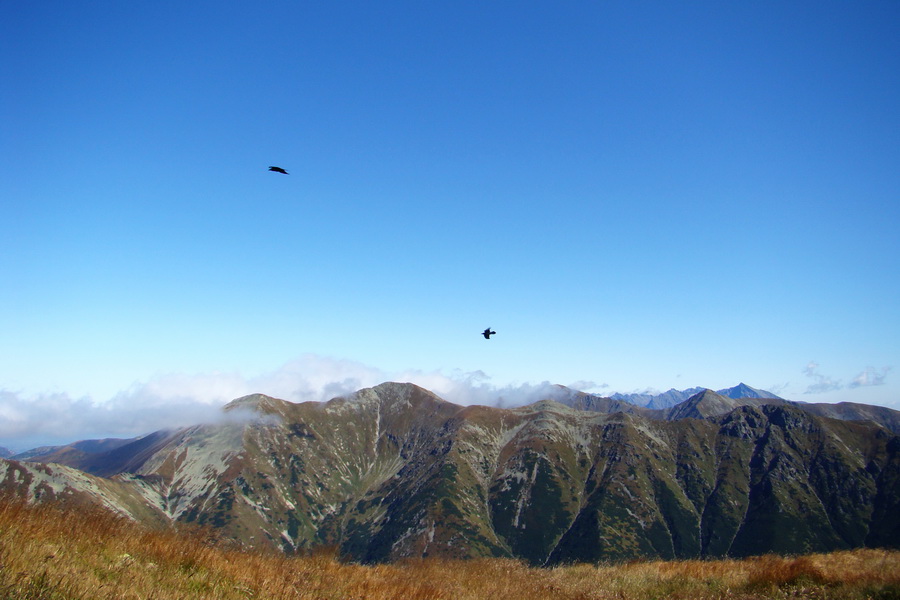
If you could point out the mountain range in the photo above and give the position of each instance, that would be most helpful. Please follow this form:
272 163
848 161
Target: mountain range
395 471
673 396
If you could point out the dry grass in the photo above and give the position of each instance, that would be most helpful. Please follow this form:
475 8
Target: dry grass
63 553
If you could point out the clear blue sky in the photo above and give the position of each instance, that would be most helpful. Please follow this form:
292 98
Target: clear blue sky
632 194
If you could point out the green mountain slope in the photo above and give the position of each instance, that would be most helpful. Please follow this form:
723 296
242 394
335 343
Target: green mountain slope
395 471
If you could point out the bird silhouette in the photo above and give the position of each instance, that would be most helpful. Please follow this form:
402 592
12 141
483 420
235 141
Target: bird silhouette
278 170
487 333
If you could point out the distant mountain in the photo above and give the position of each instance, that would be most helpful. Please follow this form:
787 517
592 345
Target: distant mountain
5 452
672 397
742 390
119 456
61 454
655 401
851 411
602 404
395 471
709 404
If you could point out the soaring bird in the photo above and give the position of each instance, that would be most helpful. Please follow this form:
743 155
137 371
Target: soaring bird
487 333
278 170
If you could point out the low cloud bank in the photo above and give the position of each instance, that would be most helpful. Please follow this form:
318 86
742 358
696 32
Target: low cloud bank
178 400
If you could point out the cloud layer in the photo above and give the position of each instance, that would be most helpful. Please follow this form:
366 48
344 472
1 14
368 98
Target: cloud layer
177 400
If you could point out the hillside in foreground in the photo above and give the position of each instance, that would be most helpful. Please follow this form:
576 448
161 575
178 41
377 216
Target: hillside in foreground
396 472
76 552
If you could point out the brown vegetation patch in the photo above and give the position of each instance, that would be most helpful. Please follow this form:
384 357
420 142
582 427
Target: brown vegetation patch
58 552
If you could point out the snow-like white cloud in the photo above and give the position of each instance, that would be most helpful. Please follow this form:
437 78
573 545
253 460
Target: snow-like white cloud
587 386
475 388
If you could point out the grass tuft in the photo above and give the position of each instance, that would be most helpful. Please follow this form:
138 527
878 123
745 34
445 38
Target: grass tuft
79 552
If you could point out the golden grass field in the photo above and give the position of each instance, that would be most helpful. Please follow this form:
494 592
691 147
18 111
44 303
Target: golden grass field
54 552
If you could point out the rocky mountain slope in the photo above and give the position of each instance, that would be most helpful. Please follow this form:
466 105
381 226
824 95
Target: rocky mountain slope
395 471
706 403
852 411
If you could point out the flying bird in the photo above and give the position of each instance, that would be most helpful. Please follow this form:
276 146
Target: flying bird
278 170
487 333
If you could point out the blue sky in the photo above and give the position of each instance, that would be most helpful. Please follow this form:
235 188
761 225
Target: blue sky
633 195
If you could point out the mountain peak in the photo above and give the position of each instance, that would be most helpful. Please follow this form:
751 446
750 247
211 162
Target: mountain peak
673 397
393 391
710 404
257 402
742 390
702 405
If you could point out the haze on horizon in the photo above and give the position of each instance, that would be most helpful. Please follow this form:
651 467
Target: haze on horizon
634 196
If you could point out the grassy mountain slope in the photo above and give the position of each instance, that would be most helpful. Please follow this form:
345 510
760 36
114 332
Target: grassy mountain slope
394 471
53 552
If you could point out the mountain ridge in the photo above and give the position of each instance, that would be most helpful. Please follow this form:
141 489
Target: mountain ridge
673 397
395 471
585 401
